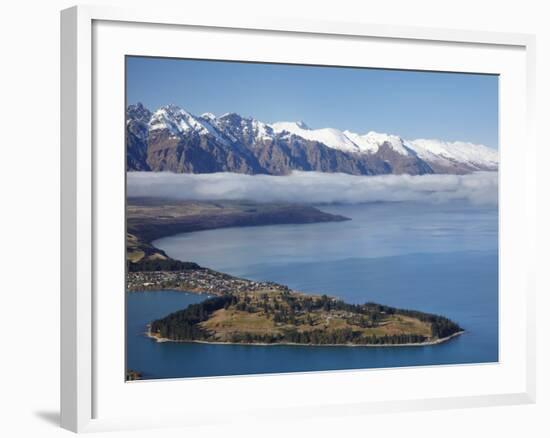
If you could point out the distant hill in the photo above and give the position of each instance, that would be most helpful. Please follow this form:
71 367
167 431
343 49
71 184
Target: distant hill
172 139
152 218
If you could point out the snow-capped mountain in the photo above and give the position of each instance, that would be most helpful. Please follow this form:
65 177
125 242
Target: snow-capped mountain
173 139
178 122
371 142
137 132
463 155
333 138
455 154
244 129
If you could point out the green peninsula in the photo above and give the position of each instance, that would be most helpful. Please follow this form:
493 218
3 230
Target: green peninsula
288 317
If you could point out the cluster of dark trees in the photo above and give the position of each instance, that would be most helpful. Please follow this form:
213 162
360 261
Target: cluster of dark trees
184 324
324 337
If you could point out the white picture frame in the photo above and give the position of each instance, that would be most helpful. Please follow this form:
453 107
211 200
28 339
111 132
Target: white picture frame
89 399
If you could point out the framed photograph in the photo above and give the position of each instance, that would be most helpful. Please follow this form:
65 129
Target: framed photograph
265 218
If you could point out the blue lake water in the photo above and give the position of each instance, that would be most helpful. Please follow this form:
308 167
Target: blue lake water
437 258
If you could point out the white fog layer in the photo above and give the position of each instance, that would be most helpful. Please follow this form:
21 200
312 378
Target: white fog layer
480 188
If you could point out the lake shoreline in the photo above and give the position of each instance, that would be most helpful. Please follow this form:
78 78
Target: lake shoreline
161 340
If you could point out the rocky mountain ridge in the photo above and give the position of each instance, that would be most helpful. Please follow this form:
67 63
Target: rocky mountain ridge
172 139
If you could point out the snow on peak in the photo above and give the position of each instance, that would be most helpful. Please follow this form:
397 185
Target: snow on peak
173 118
346 141
208 116
333 138
230 126
372 141
237 125
178 121
262 130
464 152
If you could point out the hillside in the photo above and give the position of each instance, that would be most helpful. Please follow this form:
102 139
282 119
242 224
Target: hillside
153 218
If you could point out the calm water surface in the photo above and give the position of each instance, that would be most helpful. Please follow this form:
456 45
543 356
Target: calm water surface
434 258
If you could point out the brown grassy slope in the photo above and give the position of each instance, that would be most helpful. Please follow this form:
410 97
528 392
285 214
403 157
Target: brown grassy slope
224 323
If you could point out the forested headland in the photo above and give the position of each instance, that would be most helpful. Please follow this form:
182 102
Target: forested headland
275 317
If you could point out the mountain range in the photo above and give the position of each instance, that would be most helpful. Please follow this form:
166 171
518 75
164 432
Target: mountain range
172 139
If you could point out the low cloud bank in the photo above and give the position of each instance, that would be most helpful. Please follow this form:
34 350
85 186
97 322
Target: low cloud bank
479 188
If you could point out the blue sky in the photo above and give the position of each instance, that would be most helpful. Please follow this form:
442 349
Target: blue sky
447 106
